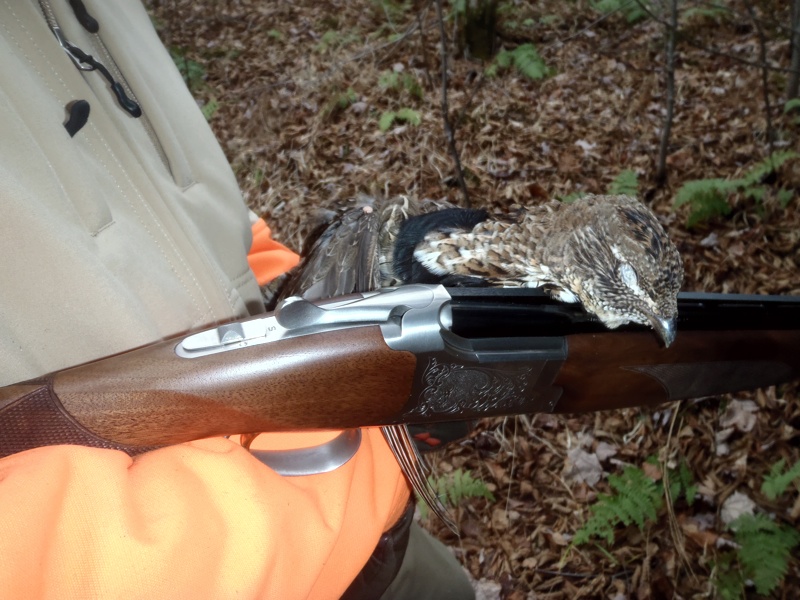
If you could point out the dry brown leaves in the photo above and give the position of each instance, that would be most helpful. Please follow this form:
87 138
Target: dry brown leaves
278 70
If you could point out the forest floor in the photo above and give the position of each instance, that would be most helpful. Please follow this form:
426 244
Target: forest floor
296 91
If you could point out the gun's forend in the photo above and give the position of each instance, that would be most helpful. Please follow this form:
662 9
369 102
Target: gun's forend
411 354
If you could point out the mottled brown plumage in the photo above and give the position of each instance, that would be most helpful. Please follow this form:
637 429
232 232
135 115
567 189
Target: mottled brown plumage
609 253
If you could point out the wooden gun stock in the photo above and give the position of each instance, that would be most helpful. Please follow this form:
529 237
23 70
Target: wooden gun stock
332 367
151 397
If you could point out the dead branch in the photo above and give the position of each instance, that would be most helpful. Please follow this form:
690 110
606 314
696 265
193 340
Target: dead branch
762 50
448 129
670 33
793 85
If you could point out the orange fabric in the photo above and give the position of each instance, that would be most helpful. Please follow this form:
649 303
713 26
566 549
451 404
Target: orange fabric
268 258
198 520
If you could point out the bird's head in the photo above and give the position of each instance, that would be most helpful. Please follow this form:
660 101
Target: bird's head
623 268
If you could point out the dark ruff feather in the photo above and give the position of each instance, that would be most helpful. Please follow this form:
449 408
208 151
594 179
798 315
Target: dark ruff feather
413 231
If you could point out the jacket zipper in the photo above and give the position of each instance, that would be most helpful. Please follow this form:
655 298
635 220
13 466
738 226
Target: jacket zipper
86 62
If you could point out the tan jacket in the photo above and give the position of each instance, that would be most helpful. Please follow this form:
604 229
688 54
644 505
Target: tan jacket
131 231
107 244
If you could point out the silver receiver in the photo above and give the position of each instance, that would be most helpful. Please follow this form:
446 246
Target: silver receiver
411 318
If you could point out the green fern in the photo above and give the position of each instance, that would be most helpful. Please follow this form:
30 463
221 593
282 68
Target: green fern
637 501
458 485
391 9
572 196
764 549
625 184
680 482
766 167
791 105
631 9
210 108
524 58
390 80
193 73
703 13
728 579
778 480
407 115
684 477
339 101
333 39
708 198
455 487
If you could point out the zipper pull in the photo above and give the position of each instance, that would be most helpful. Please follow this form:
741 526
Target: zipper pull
86 62
89 23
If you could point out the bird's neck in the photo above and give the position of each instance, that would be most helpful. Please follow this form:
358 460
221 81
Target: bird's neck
504 251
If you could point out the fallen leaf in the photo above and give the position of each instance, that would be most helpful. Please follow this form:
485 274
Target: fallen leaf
605 450
740 414
736 505
582 467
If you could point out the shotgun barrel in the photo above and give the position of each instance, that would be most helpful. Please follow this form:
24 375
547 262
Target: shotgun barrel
412 354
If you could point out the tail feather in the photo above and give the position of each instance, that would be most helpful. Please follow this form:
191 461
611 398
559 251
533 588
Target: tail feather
415 469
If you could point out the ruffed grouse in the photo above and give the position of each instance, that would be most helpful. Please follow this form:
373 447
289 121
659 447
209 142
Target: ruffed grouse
609 253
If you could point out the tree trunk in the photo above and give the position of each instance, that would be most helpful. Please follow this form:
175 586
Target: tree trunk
477 26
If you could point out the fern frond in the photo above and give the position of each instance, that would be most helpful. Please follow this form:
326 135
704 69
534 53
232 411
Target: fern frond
625 184
529 63
778 480
764 549
388 80
386 120
453 488
630 8
572 197
760 170
685 478
791 105
637 500
409 115
524 58
707 198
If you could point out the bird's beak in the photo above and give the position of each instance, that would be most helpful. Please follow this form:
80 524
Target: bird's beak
666 328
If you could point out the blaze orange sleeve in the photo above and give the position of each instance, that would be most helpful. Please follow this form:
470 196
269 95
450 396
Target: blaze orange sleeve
268 258
199 520
194 521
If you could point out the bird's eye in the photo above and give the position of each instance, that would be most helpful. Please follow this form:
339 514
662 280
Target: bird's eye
628 275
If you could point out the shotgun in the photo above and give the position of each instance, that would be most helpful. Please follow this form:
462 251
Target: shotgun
412 354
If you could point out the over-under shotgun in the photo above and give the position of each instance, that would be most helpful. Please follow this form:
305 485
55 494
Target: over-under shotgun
413 354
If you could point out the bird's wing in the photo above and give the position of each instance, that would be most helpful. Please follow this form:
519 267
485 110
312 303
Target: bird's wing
354 254
341 260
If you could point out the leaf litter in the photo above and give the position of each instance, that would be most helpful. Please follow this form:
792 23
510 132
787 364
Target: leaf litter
297 106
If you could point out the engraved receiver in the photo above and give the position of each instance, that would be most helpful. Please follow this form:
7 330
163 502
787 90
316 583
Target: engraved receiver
412 354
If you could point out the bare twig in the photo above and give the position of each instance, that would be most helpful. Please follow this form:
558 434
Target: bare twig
479 81
762 47
763 64
424 45
730 10
793 85
448 129
671 33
